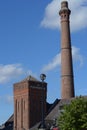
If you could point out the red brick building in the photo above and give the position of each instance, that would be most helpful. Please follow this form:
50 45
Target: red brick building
27 103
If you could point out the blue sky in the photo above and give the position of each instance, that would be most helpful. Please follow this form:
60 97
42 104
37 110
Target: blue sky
30 45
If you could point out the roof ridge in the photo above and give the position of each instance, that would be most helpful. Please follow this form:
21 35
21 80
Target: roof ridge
30 78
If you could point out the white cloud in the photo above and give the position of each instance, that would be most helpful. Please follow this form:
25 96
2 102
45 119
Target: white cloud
53 64
56 61
6 99
77 57
29 72
78 14
9 72
9 99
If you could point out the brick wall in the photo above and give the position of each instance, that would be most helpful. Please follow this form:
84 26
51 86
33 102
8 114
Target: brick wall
27 103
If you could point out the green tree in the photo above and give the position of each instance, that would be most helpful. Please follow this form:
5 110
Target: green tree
74 115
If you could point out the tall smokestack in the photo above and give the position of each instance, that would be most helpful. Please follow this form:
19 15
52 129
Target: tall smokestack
67 80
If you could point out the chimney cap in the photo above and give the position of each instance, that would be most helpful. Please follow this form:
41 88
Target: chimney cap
64 8
64 4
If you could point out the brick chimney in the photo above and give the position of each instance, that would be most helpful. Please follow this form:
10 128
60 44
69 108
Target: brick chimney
67 81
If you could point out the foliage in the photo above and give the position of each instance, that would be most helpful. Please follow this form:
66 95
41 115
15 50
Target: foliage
74 115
